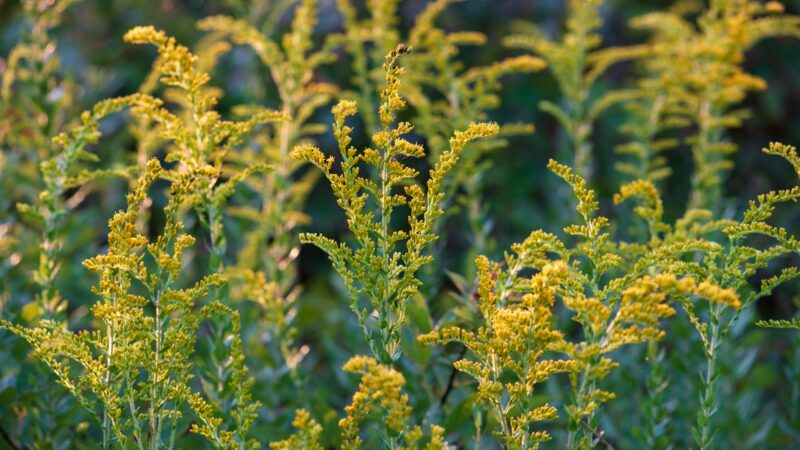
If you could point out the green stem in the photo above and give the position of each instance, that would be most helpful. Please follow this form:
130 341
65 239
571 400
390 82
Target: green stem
708 403
155 398
109 351
653 408
386 314
794 378
577 432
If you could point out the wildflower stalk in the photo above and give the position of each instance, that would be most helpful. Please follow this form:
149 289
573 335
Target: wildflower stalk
31 115
576 62
705 194
579 430
379 30
648 120
59 174
653 409
380 390
376 269
272 246
201 140
617 305
708 404
794 376
715 46
732 268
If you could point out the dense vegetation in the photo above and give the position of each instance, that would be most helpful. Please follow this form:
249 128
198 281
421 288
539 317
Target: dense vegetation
307 225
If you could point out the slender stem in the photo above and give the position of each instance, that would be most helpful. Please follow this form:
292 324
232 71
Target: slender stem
794 378
708 403
155 422
172 432
385 308
581 395
653 125
699 198
498 409
7 438
653 406
582 127
477 421
109 352
129 393
452 378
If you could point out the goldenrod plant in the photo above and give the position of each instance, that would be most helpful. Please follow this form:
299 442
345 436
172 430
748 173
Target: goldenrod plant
199 141
729 264
518 330
674 95
66 170
733 267
34 97
46 177
443 94
133 373
379 390
576 61
306 435
653 306
381 267
35 102
613 307
702 78
266 267
614 304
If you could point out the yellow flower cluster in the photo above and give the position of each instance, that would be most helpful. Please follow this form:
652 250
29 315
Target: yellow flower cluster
618 299
516 336
139 362
143 353
380 388
306 436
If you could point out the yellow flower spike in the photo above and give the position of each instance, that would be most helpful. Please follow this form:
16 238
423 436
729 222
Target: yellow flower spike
653 209
305 437
343 110
391 101
513 327
380 388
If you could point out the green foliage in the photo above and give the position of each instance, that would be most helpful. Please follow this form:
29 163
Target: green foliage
132 373
211 326
265 269
696 78
383 264
444 95
577 62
